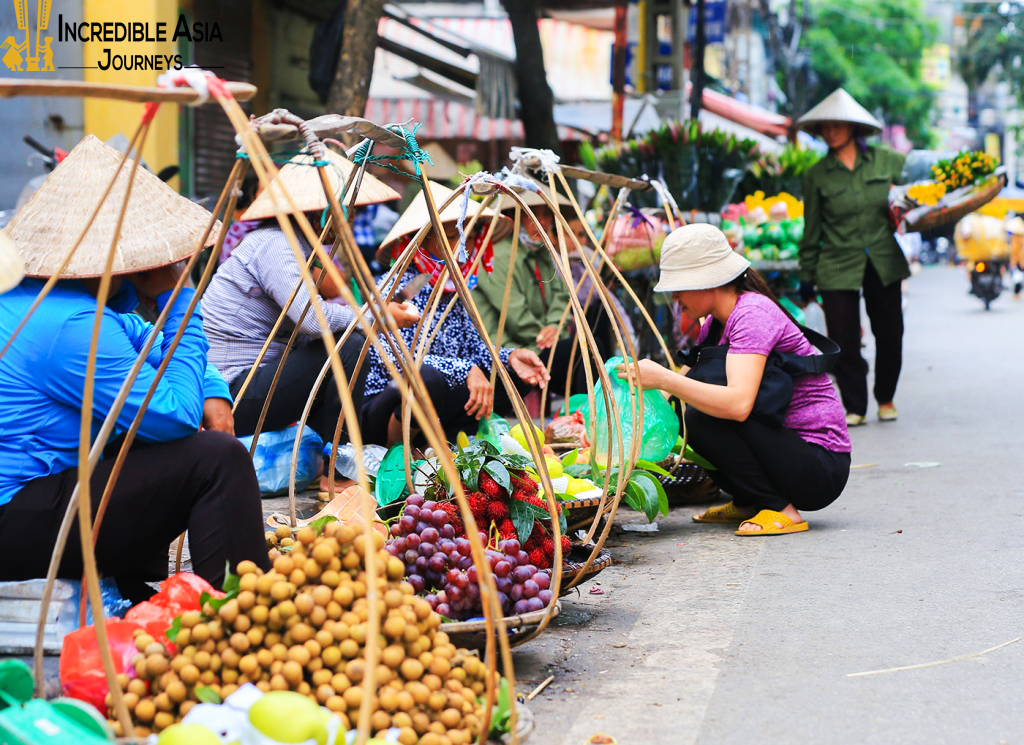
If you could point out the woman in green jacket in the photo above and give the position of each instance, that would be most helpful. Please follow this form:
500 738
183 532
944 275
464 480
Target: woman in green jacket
848 247
537 299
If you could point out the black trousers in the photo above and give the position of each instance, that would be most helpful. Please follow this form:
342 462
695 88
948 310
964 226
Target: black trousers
300 372
842 316
449 402
767 467
204 483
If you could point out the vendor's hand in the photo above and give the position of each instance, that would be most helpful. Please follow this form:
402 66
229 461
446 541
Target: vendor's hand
808 292
405 315
547 337
153 283
217 415
481 394
651 376
529 367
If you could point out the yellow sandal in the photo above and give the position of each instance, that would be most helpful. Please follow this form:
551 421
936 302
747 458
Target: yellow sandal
770 522
725 513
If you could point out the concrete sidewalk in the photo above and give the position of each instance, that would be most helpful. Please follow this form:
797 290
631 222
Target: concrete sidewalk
702 637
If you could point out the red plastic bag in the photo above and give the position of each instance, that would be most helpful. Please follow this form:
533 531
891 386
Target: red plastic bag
178 594
81 668
182 591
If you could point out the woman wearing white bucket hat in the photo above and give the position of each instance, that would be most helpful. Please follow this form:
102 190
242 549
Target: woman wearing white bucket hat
772 471
848 247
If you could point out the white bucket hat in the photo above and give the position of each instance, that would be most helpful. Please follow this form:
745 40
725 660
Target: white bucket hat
698 257
839 106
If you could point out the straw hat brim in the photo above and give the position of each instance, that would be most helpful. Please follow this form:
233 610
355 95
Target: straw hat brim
12 268
300 179
839 106
160 226
416 216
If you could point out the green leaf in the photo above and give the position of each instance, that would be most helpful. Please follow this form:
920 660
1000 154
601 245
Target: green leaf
659 489
517 462
231 589
172 633
652 467
570 458
645 496
320 523
578 472
501 713
207 695
499 473
522 516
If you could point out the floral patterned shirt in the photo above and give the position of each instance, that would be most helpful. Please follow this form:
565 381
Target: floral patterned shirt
454 351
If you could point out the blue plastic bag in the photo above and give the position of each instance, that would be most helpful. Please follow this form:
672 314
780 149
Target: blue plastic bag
273 458
658 431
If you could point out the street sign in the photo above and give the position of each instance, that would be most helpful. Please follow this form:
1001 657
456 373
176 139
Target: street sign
714 22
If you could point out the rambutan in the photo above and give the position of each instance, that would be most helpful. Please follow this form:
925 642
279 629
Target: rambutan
523 484
478 504
539 560
548 547
507 530
454 517
566 545
489 486
497 510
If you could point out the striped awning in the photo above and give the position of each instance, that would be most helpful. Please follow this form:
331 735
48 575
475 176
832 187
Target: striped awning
577 61
442 119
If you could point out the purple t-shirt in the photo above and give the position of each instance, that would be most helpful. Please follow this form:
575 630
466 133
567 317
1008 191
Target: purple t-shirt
758 326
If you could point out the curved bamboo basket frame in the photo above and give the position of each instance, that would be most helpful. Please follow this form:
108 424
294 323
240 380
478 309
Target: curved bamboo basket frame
265 169
403 368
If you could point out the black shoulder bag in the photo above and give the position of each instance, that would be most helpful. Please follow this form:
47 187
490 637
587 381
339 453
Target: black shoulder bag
707 364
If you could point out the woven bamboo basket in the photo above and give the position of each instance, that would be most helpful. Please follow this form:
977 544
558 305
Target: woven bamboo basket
689 484
572 568
955 205
525 725
580 513
473 634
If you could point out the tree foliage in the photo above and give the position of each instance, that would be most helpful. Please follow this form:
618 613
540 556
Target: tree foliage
995 45
873 49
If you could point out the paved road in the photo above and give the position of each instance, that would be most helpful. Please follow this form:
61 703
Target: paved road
701 637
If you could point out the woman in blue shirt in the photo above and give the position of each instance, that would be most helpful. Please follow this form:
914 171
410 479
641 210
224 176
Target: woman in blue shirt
175 477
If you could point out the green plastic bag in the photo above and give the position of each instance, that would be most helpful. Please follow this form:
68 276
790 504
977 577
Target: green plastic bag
492 428
659 429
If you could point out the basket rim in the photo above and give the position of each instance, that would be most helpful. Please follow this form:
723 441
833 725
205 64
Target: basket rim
512 623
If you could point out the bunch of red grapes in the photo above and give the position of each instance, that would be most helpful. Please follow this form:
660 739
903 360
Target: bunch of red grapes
439 565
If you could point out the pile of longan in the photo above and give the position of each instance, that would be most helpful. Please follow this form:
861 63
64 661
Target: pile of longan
302 627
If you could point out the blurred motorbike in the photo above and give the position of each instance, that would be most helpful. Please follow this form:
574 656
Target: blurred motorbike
982 242
49 158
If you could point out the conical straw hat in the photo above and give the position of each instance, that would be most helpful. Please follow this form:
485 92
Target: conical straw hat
839 106
160 226
12 268
416 216
299 176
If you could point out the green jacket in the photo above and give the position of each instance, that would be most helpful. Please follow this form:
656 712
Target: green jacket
532 304
846 221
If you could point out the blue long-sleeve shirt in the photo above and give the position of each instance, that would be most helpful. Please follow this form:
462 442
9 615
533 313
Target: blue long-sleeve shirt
42 378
